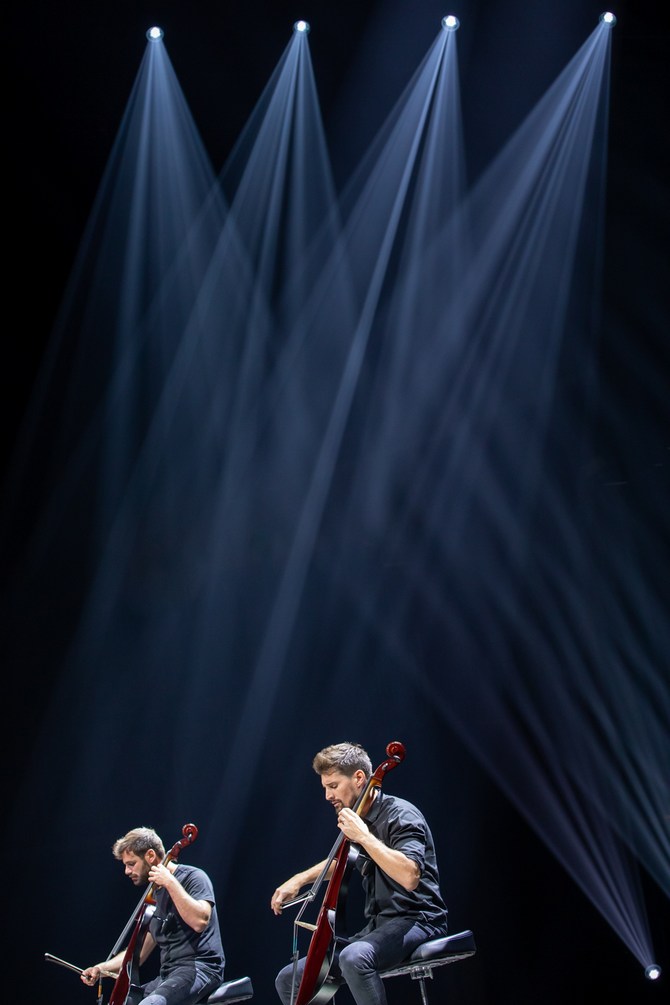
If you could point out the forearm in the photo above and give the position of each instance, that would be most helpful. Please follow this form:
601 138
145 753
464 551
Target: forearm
111 968
108 968
290 889
395 864
195 913
309 875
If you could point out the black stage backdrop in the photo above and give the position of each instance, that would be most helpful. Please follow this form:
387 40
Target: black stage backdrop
69 71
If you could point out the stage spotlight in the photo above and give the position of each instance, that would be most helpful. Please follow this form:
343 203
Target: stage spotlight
450 22
608 18
301 26
154 34
653 972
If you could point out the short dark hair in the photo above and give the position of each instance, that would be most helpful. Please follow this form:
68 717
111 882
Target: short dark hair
344 757
139 841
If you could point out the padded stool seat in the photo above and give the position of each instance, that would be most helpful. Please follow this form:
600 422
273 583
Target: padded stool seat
231 991
431 954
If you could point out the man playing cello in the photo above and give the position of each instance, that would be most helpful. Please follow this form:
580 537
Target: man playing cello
403 903
184 926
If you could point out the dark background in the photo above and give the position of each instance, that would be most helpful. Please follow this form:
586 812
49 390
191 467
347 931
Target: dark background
70 70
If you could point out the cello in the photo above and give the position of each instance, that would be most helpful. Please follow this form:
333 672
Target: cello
317 986
130 967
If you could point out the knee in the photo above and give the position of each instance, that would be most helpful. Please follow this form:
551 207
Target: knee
357 958
283 982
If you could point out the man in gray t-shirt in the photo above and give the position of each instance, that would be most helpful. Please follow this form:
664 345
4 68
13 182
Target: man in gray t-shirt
179 917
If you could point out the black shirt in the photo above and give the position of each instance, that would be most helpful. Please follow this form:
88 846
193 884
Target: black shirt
400 825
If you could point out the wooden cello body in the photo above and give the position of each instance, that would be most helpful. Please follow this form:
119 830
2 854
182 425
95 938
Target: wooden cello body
317 986
129 973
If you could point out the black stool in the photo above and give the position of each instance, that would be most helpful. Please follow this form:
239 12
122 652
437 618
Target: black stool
434 953
231 991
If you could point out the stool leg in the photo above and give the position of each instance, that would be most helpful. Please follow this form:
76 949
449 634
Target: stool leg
424 993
